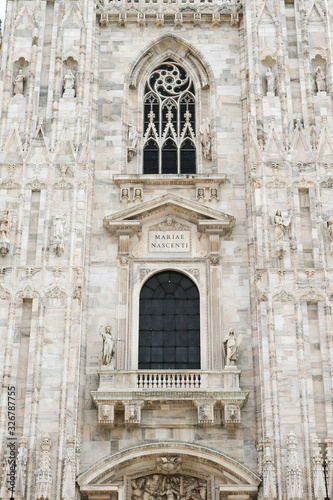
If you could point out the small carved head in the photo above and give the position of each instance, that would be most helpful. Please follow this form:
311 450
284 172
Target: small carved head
132 413
105 412
205 412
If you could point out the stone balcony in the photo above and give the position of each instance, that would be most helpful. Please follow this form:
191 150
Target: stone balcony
134 391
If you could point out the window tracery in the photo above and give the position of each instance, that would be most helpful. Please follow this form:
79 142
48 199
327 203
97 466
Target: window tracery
169 145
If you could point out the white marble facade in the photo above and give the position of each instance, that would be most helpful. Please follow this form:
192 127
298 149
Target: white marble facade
82 229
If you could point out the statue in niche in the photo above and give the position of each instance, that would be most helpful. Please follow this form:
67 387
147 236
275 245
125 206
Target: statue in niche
59 227
231 345
206 138
109 346
281 226
329 225
270 81
5 225
132 140
320 80
69 81
19 83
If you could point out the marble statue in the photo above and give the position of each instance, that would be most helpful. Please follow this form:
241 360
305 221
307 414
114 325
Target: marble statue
320 80
329 225
231 345
206 138
69 81
5 225
270 81
281 226
132 140
19 83
59 227
109 346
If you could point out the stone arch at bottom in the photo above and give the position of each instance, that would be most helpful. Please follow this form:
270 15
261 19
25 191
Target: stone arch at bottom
168 471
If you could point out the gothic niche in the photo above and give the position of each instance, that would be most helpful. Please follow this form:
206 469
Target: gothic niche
269 76
20 77
168 487
319 75
70 67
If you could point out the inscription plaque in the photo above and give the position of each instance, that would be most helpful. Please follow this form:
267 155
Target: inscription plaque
169 241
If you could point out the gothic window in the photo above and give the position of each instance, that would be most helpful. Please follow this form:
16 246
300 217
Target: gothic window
169 323
169 145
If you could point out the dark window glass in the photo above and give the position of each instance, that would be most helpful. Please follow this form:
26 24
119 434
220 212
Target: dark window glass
150 158
187 158
169 158
169 324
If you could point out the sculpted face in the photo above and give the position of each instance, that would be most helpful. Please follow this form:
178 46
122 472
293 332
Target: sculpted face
132 413
205 412
105 411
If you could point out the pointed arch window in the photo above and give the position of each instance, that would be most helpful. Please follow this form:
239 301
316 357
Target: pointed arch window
169 145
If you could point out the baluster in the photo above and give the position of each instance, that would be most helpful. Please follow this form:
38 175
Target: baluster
138 381
144 380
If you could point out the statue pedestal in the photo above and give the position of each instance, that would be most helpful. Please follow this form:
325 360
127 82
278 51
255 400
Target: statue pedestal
270 94
111 366
322 93
69 94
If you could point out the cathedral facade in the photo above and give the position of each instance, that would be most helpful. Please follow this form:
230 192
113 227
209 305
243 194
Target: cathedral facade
166 250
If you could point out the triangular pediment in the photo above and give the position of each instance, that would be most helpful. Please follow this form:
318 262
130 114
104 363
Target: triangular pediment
190 210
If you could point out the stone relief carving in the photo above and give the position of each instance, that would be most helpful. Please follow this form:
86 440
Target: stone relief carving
213 194
59 234
106 414
69 81
21 469
132 141
231 345
125 195
19 83
206 138
294 470
329 225
169 487
329 466
206 413
281 226
109 346
268 472
5 493
232 415
169 224
44 472
317 470
138 194
320 80
68 485
5 225
201 194
168 465
132 414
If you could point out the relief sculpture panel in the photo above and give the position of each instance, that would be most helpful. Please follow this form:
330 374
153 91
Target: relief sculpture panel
168 487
